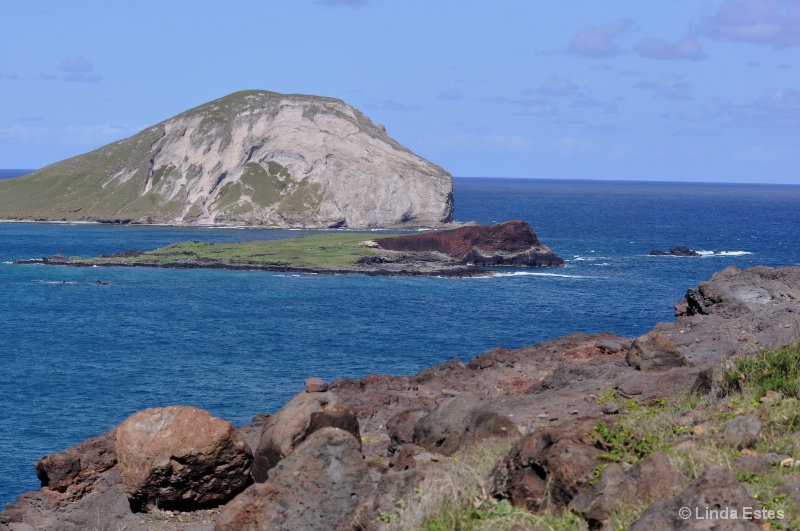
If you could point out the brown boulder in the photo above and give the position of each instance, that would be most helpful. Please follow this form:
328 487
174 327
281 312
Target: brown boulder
654 352
459 421
651 478
693 509
547 468
74 470
400 427
301 416
181 457
413 456
313 384
324 484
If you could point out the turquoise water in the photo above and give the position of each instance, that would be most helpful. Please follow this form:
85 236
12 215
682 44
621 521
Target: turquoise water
78 357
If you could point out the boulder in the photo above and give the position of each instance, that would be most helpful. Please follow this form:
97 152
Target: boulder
252 432
400 427
742 431
413 456
651 478
546 469
459 421
315 385
654 352
180 457
74 470
104 506
323 485
693 509
301 416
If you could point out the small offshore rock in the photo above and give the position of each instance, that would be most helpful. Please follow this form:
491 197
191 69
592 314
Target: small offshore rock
315 385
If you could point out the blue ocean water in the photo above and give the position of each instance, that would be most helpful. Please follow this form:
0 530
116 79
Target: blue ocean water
78 357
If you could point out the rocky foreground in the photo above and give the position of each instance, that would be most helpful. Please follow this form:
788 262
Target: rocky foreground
564 425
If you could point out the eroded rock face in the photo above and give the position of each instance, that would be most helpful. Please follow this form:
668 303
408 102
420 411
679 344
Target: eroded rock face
654 352
512 243
460 421
714 489
546 469
323 485
301 416
252 157
180 457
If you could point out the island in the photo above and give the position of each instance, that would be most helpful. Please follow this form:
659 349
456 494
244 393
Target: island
465 251
252 158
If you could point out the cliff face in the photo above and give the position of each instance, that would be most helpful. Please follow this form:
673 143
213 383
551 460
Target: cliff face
512 243
253 157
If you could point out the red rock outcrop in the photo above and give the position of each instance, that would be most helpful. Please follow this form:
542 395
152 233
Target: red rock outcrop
512 243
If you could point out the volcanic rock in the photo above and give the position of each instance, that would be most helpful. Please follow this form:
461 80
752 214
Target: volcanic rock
680 250
654 352
459 421
253 157
323 485
715 489
546 469
181 457
313 384
512 243
301 416
651 478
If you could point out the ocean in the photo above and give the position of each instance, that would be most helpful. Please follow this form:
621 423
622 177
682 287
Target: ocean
79 356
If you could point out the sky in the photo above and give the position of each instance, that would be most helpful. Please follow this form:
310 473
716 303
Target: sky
669 90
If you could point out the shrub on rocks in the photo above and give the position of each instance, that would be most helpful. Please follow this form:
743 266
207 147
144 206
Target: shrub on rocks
180 457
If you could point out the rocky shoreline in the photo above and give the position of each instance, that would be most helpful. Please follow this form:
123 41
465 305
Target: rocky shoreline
521 430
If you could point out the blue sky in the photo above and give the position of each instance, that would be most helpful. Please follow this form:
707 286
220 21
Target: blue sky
679 90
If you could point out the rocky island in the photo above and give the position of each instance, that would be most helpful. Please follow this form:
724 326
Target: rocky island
579 432
251 158
459 252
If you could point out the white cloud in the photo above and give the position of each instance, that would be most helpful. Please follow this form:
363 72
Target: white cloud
775 22
76 65
686 48
557 86
668 87
598 41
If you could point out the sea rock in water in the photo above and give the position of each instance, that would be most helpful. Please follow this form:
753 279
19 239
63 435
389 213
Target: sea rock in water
680 250
180 457
512 243
255 158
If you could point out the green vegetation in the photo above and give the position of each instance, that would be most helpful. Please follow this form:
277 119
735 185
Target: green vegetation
334 251
770 370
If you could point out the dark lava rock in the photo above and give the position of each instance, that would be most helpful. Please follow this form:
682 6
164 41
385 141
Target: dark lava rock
324 484
512 243
546 469
680 250
742 430
460 421
654 352
301 416
716 490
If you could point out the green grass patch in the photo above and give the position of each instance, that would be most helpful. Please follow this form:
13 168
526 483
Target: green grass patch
769 370
322 251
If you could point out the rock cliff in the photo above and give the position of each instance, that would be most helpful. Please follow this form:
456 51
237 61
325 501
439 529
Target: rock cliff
254 158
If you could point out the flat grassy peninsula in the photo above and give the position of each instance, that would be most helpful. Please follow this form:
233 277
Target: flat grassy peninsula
331 251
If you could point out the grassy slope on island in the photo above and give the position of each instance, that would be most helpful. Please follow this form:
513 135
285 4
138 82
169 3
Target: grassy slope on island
321 251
